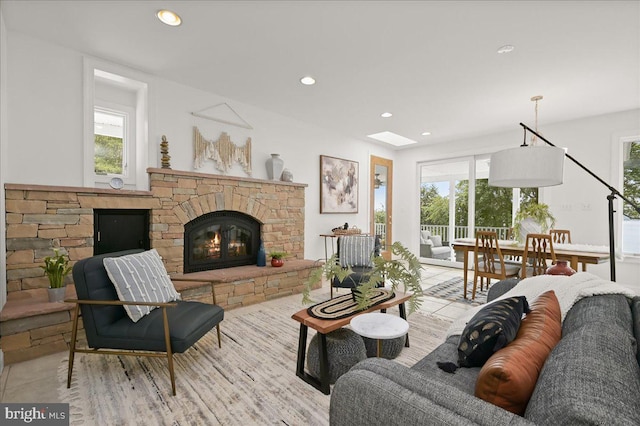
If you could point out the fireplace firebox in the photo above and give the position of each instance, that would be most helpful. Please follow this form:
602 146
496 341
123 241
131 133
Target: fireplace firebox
220 239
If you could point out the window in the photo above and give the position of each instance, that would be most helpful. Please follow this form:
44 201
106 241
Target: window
631 190
456 199
117 121
111 142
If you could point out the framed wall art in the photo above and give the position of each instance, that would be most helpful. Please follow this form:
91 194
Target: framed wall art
338 185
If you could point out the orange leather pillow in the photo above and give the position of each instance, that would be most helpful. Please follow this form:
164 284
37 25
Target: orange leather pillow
509 376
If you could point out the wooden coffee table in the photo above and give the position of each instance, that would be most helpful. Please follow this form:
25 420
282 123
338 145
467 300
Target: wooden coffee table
323 327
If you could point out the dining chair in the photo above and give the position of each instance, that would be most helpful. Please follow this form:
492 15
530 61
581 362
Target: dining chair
560 236
489 261
538 248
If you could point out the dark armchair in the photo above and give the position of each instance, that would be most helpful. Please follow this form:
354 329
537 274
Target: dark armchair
356 252
173 327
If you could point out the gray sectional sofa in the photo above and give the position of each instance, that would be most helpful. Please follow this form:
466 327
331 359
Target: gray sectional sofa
592 376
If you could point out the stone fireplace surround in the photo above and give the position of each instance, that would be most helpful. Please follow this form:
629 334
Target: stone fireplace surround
40 218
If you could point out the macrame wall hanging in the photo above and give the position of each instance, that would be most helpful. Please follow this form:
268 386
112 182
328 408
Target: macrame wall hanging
223 152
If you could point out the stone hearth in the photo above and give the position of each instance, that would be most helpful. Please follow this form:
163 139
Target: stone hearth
41 218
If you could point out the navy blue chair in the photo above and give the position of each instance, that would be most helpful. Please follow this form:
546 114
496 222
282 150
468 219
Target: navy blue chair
171 328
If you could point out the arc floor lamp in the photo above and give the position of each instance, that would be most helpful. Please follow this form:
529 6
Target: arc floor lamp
530 166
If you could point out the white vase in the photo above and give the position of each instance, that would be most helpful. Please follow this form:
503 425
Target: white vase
287 176
528 226
275 165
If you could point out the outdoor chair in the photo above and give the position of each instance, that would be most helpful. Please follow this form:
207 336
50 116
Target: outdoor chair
537 249
356 252
172 327
489 261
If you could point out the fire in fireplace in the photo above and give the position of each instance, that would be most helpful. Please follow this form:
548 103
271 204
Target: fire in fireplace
220 239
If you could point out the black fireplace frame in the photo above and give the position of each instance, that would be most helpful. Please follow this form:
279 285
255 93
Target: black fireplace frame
224 218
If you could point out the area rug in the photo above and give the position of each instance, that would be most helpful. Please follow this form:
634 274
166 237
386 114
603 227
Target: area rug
343 306
250 380
453 290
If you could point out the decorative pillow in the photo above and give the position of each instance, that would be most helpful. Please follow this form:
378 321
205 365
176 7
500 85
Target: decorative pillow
140 277
424 237
509 377
437 240
490 330
356 250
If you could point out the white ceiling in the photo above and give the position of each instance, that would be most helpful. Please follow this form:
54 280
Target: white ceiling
433 64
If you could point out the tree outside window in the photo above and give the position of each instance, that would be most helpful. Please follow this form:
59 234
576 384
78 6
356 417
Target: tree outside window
109 148
631 190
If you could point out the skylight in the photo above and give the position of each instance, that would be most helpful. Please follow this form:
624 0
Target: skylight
392 138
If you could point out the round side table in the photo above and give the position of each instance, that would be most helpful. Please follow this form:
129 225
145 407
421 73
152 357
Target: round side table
379 326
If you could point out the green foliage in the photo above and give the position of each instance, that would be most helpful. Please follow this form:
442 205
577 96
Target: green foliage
539 212
108 154
380 216
493 204
431 212
56 267
277 254
402 272
631 185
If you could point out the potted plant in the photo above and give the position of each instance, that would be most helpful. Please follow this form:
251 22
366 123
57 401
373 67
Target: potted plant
403 270
56 268
532 218
277 258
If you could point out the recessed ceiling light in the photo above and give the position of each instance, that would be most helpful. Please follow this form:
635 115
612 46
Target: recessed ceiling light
168 17
386 115
392 138
308 80
506 48
426 133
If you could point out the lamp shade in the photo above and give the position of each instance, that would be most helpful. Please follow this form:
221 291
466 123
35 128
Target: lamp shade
527 167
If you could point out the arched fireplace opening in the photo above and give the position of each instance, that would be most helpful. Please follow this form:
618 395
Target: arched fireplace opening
220 239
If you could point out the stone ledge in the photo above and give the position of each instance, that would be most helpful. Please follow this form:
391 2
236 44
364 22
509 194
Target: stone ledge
31 303
238 273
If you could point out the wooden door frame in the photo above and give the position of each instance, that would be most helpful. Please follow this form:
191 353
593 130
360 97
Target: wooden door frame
389 205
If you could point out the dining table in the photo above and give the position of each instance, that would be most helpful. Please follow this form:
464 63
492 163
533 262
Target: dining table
573 253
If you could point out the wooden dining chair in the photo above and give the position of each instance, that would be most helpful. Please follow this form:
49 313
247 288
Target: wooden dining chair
489 261
538 248
560 236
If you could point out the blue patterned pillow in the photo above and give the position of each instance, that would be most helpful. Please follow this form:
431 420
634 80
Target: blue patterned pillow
491 329
140 277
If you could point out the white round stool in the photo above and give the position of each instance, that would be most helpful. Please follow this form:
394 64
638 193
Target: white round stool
379 326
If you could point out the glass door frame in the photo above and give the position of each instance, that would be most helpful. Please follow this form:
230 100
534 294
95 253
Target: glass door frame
382 162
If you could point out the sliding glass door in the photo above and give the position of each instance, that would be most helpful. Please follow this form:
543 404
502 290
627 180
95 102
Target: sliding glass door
456 201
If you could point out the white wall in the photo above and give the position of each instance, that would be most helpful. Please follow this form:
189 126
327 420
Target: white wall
45 93
579 204
3 164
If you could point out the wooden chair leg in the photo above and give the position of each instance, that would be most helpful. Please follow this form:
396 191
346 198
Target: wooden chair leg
72 344
167 341
475 283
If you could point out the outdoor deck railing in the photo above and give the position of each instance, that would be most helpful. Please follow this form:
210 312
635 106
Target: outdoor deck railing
458 231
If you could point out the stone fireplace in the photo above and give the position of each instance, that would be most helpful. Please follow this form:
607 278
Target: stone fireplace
41 218
219 240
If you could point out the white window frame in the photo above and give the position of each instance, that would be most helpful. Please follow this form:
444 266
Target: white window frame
128 142
142 86
617 177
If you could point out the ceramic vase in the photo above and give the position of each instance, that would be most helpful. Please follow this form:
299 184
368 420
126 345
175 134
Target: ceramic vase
262 256
560 268
56 294
287 176
275 165
276 263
